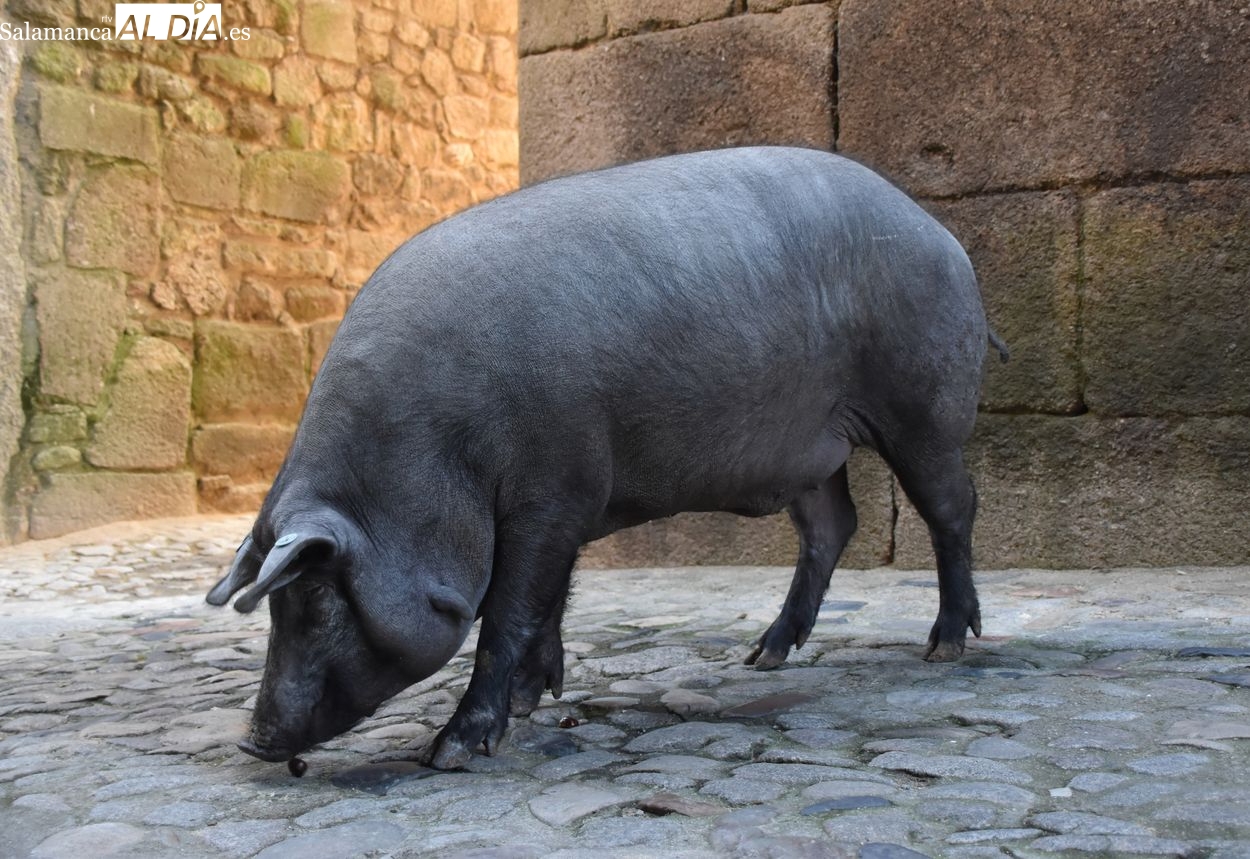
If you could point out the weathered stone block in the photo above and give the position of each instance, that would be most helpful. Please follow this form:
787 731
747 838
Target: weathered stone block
707 86
468 53
295 82
235 73
706 538
149 410
1024 250
56 458
59 61
343 123
1011 96
246 452
329 30
46 236
309 303
257 301
495 16
80 316
113 222
303 186
498 148
1166 313
202 171
250 120
284 260
409 32
55 427
377 174
78 120
262 45
245 372
503 64
415 146
72 502
436 13
448 190
548 24
635 16
1083 492
202 115
438 72
116 77
221 495
466 116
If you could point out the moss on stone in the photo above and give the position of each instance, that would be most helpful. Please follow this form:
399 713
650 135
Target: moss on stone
57 427
202 115
236 73
56 458
286 20
116 77
58 61
388 90
296 133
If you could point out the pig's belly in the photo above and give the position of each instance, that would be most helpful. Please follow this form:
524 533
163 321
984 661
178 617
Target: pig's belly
757 478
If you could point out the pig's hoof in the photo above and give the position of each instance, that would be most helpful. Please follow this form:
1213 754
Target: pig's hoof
946 639
775 644
944 651
764 659
450 754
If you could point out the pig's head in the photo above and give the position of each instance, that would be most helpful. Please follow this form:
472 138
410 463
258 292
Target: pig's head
352 625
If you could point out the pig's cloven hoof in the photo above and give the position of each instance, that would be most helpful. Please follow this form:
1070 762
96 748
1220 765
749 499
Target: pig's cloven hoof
946 639
774 645
944 651
454 745
450 754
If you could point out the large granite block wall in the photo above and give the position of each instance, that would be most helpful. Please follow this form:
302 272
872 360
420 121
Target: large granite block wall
1095 161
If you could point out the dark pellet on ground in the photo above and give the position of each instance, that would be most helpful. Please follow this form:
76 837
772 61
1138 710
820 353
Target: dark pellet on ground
297 767
568 722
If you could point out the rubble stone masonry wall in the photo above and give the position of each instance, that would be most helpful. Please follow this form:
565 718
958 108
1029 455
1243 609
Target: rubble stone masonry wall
1094 158
193 219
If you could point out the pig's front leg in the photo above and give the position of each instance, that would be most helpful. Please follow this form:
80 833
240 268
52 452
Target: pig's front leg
523 594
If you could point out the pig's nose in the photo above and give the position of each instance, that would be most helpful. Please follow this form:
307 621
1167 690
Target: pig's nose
265 754
448 601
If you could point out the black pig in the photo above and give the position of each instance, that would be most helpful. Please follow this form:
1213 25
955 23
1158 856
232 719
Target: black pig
713 331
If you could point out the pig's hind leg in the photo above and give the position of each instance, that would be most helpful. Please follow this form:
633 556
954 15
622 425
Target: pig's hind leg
942 493
825 519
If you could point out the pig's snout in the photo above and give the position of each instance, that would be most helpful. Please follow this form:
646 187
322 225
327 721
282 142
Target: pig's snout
263 752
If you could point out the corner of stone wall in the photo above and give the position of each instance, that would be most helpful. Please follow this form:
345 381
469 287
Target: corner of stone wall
12 300
195 218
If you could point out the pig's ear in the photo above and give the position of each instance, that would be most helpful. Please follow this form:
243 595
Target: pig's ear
242 573
281 567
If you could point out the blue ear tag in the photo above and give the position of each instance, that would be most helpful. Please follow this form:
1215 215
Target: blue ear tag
286 540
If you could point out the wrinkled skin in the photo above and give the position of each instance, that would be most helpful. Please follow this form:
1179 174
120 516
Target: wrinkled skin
708 332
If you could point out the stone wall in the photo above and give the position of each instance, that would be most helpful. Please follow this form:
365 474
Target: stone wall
1095 161
194 219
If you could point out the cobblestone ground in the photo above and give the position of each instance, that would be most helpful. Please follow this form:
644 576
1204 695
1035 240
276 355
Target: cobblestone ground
1104 713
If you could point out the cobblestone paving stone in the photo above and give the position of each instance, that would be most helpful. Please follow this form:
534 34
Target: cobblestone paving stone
1104 714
